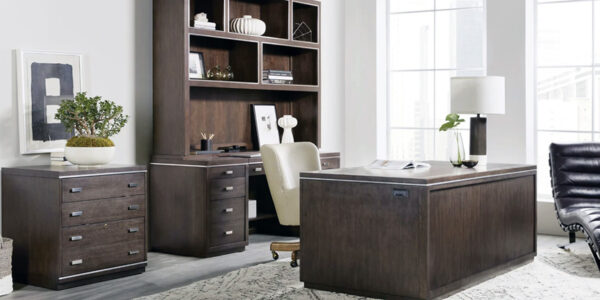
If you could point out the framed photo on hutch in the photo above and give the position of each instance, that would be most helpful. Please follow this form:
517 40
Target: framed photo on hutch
265 124
196 66
44 80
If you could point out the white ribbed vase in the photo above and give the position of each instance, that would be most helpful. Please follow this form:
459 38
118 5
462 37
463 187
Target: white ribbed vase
248 25
287 122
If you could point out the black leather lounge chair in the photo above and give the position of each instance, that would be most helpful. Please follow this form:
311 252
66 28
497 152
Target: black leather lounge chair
575 176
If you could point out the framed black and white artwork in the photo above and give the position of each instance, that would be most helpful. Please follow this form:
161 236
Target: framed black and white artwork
196 65
265 124
44 80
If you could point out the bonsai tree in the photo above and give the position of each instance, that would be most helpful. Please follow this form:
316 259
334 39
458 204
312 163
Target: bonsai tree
92 119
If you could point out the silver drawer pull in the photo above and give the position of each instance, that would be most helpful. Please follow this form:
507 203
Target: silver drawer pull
76 238
76 214
134 252
230 232
133 207
228 210
76 262
257 169
133 229
228 172
76 190
132 185
229 188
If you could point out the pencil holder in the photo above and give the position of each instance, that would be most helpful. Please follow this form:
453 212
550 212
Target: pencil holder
206 145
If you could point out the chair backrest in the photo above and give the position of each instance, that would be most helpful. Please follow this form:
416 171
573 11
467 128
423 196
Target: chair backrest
575 174
283 164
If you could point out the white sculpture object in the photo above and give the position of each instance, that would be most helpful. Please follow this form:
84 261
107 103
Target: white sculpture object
248 25
287 122
201 17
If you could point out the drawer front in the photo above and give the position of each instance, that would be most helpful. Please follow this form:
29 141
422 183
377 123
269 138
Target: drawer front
330 163
101 187
228 188
221 234
227 210
86 259
105 210
226 172
256 169
103 233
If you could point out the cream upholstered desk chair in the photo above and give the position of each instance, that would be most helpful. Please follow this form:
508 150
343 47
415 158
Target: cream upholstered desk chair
283 164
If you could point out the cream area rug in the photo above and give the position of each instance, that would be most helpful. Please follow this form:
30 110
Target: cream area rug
554 274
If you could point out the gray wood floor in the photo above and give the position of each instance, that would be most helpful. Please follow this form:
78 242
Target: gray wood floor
164 272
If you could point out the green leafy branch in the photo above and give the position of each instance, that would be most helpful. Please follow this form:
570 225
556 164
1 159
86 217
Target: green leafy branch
452 121
91 116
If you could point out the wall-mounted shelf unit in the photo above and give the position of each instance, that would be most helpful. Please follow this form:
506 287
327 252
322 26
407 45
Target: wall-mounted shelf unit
184 107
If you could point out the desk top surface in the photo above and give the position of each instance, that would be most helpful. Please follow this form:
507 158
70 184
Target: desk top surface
440 172
73 170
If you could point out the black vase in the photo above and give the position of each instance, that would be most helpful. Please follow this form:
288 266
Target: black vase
206 145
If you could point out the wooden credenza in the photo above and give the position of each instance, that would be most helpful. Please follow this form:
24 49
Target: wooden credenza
415 234
75 225
199 205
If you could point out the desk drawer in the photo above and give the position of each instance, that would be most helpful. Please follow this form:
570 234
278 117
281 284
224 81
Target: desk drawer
330 163
227 172
101 187
227 210
85 259
104 210
256 169
103 233
222 234
228 188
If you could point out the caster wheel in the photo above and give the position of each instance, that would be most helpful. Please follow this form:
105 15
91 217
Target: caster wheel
294 264
275 255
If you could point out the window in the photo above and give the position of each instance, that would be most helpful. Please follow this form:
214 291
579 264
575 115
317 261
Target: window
430 41
567 78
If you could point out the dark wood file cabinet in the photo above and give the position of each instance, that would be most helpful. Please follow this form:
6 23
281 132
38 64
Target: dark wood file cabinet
75 225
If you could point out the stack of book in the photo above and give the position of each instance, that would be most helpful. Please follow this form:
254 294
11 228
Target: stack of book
58 159
205 25
278 77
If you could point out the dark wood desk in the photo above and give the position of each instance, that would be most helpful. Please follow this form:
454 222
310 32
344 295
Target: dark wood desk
414 233
199 204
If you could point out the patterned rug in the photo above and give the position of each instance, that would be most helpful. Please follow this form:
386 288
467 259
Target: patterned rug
554 274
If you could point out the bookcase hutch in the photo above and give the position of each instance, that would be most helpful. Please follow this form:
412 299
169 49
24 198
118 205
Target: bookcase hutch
184 107
199 203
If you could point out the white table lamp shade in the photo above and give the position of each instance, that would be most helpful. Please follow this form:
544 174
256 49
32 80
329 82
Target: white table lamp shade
477 95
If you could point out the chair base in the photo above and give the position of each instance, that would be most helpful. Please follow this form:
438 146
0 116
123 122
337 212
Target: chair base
572 229
294 247
572 240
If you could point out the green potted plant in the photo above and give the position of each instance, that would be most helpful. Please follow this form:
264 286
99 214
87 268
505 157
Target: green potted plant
93 121
456 149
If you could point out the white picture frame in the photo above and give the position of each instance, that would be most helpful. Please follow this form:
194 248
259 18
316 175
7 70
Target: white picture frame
44 79
265 120
196 66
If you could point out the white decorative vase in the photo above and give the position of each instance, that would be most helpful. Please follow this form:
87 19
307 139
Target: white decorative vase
89 156
287 122
248 25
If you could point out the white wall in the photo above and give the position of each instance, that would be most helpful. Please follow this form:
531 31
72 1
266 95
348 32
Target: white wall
332 73
506 53
362 76
115 37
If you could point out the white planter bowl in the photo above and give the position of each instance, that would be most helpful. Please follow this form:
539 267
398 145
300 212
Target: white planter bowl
248 25
89 156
